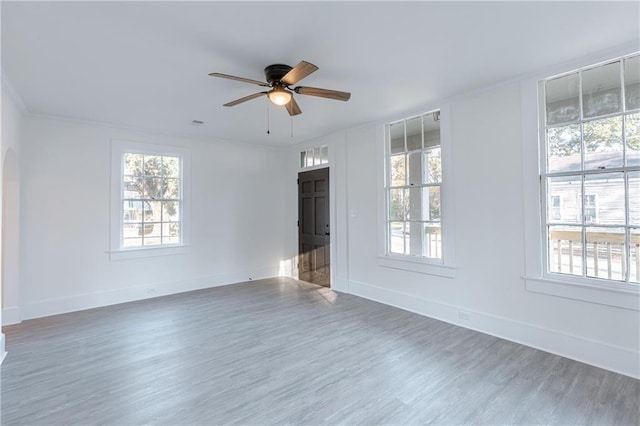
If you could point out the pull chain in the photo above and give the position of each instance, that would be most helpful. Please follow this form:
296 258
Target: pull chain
292 127
268 118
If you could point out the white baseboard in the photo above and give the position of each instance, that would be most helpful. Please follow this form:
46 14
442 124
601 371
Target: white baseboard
62 305
340 284
3 353
599 354
11 316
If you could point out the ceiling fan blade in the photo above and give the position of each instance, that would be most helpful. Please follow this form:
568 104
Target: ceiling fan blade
298 72
244 80
323 93
293 108
245 99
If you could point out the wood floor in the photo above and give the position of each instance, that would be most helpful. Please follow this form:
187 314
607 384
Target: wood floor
281 351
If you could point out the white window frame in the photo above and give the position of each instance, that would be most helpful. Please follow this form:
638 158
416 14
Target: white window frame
536 279
444 267
118 149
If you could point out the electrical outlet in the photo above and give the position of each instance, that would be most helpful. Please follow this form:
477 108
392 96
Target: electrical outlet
466 316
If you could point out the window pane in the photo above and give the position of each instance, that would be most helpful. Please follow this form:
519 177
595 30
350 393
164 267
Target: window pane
634 264
396 237
604 199
170 233
412 204
396 138
569 190
634 198
309 158
171 188
601 90
396 204
132 187
316 155
555 209
132 242
152 187
171 167
606 254
414 134
153 212
414 238
563 148
170 211
132 230
415 168
152 241
632 82
565 249
132 164
431 124
632 136
398 170
303 155
433 168
431 199
324 155
152 165
131 211
603 143
432 241
562 98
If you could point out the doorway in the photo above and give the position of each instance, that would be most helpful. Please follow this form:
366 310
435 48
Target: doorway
314 247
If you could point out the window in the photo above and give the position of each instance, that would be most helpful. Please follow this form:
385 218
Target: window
148 196
556 207
314 157
413 186
151 198
590 164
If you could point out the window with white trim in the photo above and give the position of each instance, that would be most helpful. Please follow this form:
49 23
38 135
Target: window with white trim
148 196
590 171
413 185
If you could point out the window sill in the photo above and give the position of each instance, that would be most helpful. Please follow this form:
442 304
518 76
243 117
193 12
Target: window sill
620 298
147 252
417 265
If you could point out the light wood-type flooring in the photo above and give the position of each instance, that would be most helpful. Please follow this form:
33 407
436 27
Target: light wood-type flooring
281 351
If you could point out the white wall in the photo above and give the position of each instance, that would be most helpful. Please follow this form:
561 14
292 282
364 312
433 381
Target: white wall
9 201
236 221
488 196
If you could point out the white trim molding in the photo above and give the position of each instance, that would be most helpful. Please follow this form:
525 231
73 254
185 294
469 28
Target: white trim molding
11 316
599 354
62 305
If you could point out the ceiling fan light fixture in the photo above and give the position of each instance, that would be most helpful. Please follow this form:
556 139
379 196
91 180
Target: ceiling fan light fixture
279 96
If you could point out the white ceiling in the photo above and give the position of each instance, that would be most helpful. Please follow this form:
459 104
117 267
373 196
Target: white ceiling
145 64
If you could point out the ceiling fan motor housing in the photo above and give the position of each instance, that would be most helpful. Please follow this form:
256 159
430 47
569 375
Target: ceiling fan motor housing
274 73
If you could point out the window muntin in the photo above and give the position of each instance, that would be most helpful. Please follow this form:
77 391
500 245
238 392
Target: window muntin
413 185
590 176
151 200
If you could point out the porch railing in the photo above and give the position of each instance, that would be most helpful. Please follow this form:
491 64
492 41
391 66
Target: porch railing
606 256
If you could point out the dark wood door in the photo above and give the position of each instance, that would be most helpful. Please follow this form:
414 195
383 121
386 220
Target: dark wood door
313 227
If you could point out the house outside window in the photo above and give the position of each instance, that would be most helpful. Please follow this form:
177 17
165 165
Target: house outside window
590 171
413 184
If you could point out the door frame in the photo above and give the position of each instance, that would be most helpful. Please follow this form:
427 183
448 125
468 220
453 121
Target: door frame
330 200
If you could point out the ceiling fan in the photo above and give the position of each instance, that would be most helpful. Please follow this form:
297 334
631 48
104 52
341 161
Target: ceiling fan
280 78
